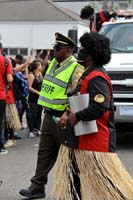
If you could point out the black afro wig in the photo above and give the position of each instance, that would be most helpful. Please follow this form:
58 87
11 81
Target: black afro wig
98 46
86 12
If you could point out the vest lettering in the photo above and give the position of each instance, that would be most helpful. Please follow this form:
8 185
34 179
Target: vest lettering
48 88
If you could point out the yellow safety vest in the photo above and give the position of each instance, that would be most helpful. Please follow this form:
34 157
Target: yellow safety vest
55 83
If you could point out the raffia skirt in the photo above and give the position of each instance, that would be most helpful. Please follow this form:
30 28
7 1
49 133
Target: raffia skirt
12 117
102 176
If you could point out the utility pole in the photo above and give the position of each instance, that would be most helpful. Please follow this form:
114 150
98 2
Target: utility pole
105 6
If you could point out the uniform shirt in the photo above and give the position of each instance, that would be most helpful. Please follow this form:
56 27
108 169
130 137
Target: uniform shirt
75 76
3 76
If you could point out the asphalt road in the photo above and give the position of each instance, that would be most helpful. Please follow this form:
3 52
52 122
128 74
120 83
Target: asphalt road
18 166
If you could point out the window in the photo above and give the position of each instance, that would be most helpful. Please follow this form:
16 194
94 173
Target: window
24 51
120 36
13 51
5 51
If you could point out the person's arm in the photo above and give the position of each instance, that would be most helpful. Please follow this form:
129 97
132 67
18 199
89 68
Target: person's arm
74 80
25 64
39 54
26 72
46 61
9 78
9 75
30 82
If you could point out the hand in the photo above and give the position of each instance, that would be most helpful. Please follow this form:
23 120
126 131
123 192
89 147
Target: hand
48 52
31 52
41 52
72 117
63 120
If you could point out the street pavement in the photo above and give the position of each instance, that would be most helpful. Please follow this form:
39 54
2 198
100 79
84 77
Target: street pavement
18 166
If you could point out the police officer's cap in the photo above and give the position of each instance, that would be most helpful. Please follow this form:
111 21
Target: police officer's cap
63 40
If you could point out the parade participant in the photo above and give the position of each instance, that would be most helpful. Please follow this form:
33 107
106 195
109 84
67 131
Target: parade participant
61 76
12 122
96 19
34 83
87 166
5 76
20 86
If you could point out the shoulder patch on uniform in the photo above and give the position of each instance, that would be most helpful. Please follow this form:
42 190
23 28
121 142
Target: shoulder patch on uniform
79 74
99 98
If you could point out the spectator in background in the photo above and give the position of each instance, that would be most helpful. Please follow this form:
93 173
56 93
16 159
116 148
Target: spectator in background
12 122
19 61
35 79
20 68
5 76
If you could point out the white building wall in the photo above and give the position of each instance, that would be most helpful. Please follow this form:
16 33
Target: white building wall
82 30
35 35
14 35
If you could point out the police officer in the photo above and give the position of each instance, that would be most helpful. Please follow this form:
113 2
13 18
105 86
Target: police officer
61 76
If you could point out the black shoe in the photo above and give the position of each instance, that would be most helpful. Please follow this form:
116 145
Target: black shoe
33 193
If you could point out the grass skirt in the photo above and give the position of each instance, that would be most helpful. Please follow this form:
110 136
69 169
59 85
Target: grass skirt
12 118
102 176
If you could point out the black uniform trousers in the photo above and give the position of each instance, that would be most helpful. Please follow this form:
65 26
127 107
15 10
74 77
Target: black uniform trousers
2 117
50 141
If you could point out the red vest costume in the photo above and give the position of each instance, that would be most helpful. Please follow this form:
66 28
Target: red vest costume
96 141
102 17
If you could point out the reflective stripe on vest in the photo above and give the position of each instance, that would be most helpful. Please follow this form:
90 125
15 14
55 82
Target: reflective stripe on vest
55 83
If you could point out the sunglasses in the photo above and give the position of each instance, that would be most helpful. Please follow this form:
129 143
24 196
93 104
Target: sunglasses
58 47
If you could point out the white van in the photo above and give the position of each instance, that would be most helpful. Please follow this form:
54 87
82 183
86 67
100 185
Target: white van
120 68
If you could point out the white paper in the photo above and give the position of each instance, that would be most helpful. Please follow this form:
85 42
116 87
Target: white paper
78 103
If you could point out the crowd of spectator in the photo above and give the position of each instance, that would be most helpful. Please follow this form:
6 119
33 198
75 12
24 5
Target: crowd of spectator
20 112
